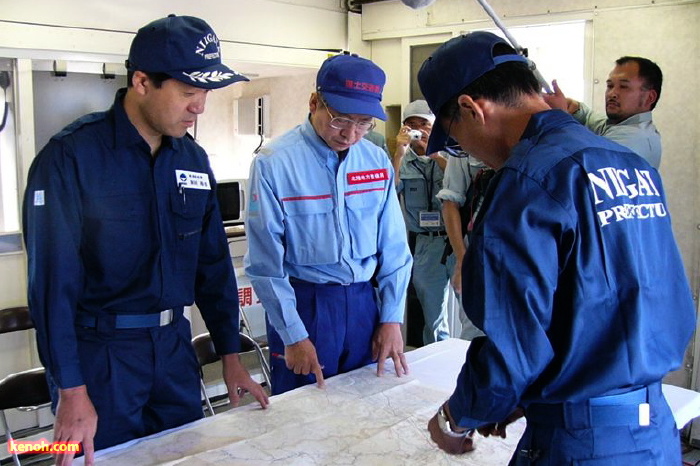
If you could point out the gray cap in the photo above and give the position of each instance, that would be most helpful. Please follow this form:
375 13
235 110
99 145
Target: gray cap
418 108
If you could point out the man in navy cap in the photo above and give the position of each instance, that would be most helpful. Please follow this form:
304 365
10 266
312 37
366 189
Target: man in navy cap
323 218
123 230
582 319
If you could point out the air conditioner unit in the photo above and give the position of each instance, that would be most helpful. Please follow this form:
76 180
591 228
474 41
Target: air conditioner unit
254 115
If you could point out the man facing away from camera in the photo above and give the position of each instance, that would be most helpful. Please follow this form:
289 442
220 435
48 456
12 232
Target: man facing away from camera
582 319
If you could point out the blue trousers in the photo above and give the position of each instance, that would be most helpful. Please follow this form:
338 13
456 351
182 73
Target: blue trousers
340 321
141 381
624 443
431 279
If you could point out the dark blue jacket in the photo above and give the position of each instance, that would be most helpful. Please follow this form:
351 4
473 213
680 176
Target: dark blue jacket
108 231
573 274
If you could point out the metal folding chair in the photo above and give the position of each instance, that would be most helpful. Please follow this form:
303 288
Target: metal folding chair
27 390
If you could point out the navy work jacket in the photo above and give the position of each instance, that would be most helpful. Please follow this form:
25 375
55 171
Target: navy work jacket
109 229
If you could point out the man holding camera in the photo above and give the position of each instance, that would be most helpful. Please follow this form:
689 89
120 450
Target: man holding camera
419 179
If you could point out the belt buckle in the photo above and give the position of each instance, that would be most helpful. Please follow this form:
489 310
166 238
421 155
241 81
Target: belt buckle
166 317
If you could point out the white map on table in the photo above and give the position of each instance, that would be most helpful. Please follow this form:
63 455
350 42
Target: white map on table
358 419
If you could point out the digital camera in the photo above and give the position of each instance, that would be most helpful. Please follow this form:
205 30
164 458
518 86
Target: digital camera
414 134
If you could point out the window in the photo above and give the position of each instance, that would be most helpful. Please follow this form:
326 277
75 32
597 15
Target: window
558 50
10 238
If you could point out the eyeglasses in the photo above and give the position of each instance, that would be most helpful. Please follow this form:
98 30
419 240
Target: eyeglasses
347 124
455 150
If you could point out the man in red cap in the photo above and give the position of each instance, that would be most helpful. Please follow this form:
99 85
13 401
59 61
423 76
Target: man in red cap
323 219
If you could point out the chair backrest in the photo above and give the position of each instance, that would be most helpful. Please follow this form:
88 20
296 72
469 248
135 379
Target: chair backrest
14 319
206 353
204 349
25 390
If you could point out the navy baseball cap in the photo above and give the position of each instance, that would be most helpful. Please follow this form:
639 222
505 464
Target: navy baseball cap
351 84
183 47
452 67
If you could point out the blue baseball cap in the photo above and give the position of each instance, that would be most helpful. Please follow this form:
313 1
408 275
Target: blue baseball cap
350 84
452 67
183 47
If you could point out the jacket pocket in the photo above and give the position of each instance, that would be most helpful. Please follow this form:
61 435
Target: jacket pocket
189 210
363 211
311 234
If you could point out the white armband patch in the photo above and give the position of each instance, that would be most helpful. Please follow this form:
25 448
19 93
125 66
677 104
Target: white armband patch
39 198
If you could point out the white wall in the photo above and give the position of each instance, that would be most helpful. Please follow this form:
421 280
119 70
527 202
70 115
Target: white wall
230 153
260 31
261 37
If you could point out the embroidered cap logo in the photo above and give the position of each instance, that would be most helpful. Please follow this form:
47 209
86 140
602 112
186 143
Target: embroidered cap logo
209 41
204 43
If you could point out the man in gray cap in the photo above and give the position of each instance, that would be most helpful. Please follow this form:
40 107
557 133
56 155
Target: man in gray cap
582 319
419 178
123 231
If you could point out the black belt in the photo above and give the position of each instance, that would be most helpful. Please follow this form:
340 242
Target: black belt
125 321
439 233
299 281
626 409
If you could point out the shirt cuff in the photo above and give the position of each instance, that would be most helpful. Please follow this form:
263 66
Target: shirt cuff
67 376
293 334
390 317
226 342
447 195
580 114
462 421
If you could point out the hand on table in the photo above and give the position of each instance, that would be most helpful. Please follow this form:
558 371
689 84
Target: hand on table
238 381
446 438
302 359
76 421
388 342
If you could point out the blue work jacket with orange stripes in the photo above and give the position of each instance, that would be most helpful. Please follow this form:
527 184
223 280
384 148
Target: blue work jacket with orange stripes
317 219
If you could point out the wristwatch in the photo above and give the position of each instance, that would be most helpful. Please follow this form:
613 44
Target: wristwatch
448 428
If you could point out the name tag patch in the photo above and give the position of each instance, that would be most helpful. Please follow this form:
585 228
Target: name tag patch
429 219
39 198
369 176
193 180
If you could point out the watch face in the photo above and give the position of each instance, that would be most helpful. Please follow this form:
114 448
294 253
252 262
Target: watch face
445 427
443 422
